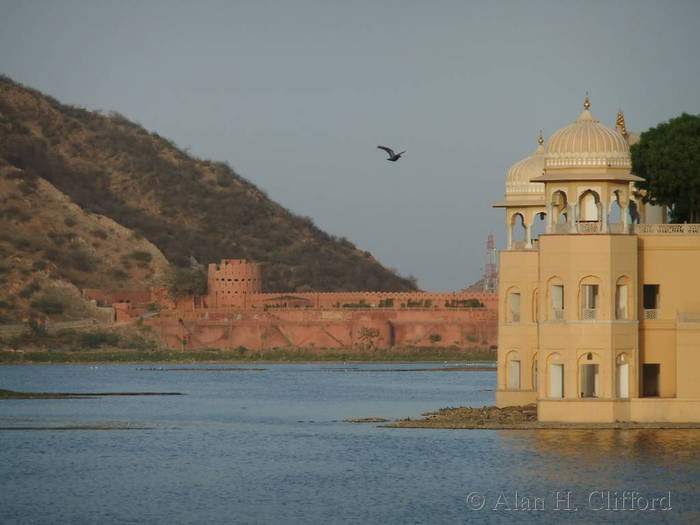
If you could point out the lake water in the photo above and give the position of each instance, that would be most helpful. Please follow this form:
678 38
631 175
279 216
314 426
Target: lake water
270 446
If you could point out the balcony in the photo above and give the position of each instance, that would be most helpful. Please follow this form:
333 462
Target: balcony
667 229
589 227
651 314
583 227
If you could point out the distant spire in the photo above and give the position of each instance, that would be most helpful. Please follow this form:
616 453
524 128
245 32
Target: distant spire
586 102
540 140
620 123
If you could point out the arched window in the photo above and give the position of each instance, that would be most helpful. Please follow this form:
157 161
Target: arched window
615 215
588 206
622 298
513 306
513 371
622 376
559 207
556 299
556 376
589 375
589 300
539 225
518 231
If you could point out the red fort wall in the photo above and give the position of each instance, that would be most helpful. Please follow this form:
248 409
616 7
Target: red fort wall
235 313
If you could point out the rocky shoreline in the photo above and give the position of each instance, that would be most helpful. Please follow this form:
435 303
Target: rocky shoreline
511 418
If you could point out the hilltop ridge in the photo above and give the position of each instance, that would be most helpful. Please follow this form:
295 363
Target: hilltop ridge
96 200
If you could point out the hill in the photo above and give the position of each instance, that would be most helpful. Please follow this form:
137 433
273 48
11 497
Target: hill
96 200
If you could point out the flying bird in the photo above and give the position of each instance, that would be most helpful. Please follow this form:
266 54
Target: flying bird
393 156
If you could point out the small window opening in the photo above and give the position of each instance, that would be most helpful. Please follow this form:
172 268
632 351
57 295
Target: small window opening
558 302
514 307
621 301
589 306
651 301
590 381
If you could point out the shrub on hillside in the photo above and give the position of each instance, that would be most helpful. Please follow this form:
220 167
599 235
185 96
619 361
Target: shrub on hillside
97 339
187 281
48 305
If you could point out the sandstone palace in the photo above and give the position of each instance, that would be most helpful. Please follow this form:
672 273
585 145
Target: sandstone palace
599 315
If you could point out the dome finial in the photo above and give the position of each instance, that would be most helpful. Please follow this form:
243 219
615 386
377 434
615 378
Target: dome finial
620 123
586 102
540 140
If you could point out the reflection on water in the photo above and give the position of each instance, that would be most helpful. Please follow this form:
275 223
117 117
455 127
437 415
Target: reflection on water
668 445
271 447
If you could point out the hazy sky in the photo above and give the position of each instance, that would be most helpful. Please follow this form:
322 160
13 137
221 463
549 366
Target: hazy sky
297 94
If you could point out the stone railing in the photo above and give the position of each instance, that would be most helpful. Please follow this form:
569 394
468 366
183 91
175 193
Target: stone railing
651 314
588 227
589 314
560 228
667 229
522 245
617 227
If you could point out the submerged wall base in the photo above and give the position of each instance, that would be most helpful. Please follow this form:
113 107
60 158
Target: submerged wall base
641 410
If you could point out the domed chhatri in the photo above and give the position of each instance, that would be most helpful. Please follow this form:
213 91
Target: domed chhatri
599 304
586 143
518 183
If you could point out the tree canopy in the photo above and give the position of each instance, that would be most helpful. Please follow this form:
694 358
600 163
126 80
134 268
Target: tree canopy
183 281
668 158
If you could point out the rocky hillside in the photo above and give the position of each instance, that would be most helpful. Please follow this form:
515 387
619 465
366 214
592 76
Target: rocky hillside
95 200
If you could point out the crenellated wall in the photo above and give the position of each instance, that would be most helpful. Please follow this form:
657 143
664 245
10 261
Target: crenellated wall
419 300
235 313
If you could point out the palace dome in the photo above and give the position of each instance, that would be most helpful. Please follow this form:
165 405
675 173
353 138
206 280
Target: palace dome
586 143
520 173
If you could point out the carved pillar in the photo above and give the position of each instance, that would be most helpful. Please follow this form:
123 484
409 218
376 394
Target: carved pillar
509 234
603 211
528 236
548 222
572 217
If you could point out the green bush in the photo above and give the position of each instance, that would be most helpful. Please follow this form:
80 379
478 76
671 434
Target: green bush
98 339
100 233
187 281
141 256
48 305
29 290
118 274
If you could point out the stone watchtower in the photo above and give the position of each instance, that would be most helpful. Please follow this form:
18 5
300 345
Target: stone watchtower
231 280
